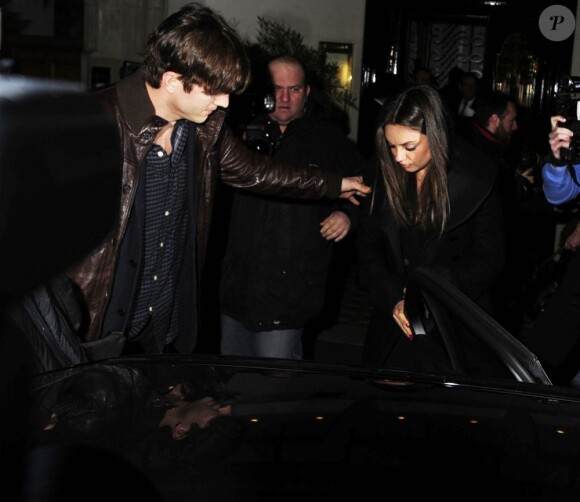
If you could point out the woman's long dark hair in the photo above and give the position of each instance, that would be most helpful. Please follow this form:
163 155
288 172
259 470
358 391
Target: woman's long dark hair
420 108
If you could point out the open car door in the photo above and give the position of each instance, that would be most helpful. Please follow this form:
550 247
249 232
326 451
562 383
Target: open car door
473 342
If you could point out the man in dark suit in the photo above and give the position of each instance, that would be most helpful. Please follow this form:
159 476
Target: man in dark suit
469 90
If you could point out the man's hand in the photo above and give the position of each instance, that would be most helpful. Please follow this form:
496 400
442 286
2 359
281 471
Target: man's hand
354 186
559 136
335 227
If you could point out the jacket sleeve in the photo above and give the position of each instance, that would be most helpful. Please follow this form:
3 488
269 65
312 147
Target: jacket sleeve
351 163
99 397
241 167
558 185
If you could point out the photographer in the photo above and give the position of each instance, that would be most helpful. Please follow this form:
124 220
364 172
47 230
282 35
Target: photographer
560 174
278 253
555 335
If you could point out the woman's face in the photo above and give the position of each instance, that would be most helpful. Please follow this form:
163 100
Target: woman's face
409 147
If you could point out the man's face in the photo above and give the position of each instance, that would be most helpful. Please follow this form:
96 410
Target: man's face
507 124
195 106
469 86
289 90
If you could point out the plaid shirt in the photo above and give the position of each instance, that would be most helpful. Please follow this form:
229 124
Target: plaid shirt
166 223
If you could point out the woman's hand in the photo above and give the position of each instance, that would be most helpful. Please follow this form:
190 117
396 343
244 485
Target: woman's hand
401 319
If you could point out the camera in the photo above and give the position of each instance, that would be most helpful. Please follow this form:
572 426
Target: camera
262 135
568 105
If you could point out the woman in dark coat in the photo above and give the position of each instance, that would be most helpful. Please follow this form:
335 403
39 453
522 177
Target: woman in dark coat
434 204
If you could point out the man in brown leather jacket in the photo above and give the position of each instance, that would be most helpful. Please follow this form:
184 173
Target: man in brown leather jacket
141 283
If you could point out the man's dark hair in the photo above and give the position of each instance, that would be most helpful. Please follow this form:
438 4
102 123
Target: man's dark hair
289 59
198 44
488 104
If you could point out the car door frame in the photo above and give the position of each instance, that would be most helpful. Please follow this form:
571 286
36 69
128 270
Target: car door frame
429 297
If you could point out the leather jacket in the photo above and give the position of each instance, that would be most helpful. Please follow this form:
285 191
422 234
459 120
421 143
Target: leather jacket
218 155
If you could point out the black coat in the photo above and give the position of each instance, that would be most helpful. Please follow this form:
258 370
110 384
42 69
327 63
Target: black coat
276 261
470 253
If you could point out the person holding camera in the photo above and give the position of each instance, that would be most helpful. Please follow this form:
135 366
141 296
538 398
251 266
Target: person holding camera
561 173
279 251
555 335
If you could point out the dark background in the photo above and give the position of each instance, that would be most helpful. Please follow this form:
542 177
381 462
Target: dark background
389 26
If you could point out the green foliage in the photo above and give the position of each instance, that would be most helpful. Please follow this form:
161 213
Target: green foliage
275 39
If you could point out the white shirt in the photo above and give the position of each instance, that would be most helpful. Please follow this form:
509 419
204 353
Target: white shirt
465 108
